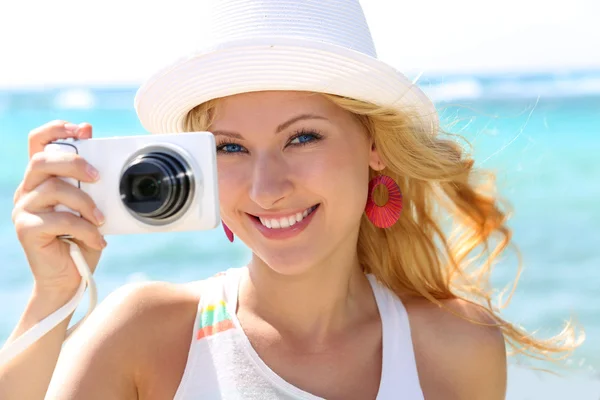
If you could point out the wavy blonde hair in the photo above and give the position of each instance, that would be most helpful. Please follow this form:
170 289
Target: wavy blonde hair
415 257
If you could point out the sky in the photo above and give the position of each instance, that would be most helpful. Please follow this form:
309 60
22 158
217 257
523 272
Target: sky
73 42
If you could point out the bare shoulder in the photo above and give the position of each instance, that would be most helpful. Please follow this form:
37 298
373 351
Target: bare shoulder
107 355
457 358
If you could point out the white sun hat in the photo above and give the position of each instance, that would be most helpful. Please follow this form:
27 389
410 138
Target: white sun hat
245 46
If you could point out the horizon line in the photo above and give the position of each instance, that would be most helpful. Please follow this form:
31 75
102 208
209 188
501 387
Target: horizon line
426 75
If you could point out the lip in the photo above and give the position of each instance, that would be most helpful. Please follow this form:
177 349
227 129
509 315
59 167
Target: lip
283 233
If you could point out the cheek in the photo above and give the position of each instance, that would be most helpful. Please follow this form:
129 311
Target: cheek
231 181
340 175
349 177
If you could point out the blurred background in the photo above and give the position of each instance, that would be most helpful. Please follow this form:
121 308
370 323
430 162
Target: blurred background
520 79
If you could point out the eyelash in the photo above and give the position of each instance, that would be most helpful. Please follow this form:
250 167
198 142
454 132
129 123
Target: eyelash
302 132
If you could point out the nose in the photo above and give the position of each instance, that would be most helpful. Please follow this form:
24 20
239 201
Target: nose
270 182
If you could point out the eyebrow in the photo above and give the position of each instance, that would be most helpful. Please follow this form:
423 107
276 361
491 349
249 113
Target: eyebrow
280 128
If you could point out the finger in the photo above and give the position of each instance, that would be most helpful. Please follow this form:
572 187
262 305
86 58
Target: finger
59 129
48 164
55 191
42 228
85 131
18 193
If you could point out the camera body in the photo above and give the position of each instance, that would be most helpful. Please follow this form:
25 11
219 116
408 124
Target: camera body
150 183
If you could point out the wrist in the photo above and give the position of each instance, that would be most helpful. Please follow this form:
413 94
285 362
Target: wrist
44 301
54 294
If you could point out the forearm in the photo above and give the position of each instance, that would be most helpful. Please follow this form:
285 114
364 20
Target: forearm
28 375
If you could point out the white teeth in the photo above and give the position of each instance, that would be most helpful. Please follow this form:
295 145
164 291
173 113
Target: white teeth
285 222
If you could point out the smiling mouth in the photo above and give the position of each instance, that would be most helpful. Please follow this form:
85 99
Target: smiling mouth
287 221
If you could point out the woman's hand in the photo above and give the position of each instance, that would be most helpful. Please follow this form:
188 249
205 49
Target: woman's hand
38 224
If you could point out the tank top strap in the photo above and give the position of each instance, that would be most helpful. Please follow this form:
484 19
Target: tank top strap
214 306
399 367
212 318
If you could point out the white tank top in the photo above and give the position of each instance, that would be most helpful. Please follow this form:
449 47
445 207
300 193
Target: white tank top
223 365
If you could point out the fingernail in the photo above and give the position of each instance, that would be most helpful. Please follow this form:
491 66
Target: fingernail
104 243
71 128
92 172
99 216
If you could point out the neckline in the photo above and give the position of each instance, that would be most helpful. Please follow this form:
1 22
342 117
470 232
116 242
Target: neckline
232 292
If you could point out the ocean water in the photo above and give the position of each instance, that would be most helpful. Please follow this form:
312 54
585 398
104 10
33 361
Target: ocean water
540 133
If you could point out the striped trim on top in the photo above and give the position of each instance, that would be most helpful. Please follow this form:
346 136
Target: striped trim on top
213 319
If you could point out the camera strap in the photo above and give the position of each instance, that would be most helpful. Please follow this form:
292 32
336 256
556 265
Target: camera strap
37 331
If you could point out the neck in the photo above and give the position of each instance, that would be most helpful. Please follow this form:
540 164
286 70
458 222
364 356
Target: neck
320 303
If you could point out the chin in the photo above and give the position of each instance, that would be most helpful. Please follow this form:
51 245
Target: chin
295 263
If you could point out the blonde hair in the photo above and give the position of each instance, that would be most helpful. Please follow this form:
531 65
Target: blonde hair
439 183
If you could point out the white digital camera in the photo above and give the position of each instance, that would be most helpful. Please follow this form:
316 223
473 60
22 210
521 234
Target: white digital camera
150 183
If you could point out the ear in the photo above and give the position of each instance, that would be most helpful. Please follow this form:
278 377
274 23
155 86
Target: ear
375 161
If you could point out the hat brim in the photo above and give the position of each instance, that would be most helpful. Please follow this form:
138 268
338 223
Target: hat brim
250 65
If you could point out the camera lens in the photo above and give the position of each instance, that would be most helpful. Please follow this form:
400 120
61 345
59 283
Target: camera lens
145 187
156 185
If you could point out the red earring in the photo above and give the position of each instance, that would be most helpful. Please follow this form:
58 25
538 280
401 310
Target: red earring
388 214
228 232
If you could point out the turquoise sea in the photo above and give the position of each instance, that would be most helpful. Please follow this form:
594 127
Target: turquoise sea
539 132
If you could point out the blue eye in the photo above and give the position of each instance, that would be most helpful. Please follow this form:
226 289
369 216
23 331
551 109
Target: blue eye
304 138
229 148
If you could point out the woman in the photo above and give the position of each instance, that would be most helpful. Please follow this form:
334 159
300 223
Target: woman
346 296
